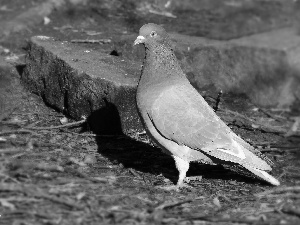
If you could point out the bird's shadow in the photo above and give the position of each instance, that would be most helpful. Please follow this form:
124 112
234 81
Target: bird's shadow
143 157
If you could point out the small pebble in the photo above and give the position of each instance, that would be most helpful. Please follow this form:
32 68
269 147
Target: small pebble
63 120
90 159
3 139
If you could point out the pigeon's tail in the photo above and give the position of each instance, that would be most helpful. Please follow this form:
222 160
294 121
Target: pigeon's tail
247 146
238 154
263 175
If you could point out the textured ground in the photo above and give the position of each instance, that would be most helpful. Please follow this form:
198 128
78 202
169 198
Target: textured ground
54 170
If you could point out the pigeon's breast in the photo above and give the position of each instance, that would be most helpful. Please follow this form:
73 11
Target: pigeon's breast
147 94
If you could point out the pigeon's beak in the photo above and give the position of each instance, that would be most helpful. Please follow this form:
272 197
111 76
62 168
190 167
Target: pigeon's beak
138 40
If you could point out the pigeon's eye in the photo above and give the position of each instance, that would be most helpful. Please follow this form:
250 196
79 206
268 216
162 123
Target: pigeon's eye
153 34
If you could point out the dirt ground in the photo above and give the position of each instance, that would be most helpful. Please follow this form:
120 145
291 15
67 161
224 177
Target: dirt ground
55 171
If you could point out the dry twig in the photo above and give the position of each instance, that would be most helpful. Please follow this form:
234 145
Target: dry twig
229 220
291 210
38 193
265 127
18 131
278 191
59 126
98 41
171 205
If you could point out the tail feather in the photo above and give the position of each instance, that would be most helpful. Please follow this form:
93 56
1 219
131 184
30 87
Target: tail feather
236 153
252 149
263 175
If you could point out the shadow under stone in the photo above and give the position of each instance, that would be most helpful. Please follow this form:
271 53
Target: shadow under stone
148 159
105 120
143 157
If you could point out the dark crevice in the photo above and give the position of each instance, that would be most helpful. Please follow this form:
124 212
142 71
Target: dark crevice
66 104
105 120
20 69
115 53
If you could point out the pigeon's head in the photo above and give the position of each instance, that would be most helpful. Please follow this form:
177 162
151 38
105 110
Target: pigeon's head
151 33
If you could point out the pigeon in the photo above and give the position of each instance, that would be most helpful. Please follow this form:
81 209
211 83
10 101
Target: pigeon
178 119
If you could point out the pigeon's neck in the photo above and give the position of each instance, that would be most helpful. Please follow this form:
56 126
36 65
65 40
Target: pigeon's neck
160 66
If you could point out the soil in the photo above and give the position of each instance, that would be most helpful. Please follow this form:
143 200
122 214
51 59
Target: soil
69 175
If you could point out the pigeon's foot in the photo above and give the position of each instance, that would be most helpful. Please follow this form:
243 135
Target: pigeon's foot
194 178
169 187
182 184
174 187
182 167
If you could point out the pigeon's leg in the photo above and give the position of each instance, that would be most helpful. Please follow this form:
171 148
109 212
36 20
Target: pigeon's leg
182 166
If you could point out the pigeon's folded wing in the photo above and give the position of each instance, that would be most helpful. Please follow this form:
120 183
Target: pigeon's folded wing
180 114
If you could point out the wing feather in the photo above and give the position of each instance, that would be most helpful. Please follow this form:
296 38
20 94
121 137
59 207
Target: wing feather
182 115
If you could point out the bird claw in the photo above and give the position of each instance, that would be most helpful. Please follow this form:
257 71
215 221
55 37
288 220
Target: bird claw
181 185
169 187
175 187
195 178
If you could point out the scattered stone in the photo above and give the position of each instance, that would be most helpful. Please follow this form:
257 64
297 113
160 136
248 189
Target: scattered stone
89 159
63 120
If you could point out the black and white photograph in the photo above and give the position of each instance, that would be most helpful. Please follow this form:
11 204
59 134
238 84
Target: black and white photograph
149 112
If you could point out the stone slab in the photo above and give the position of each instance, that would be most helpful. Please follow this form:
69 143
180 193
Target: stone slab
263 66
84 83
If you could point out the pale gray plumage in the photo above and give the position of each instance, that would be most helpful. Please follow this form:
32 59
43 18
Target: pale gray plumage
177 117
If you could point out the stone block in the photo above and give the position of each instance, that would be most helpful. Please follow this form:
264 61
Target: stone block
84 83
